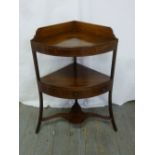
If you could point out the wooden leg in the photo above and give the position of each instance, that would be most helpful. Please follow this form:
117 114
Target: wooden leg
40 112
111 111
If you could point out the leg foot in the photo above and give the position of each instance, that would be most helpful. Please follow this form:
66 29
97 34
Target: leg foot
111 112
38 127
40 112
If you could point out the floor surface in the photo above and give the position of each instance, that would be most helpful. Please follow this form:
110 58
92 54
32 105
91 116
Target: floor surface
93 137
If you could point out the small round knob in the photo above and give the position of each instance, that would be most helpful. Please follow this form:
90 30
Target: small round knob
76 94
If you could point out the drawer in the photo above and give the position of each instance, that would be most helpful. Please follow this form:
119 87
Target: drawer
74 93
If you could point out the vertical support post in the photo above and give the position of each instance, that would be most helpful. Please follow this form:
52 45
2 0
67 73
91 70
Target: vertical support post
111 111
75 66
40 112
75 60
76 107
110 92
35 60
113 63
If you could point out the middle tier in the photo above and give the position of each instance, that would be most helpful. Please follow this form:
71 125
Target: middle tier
75 81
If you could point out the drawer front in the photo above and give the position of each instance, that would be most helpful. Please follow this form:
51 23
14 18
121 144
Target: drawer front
74 94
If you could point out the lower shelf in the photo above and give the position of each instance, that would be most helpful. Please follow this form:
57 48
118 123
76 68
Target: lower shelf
75 82
76 115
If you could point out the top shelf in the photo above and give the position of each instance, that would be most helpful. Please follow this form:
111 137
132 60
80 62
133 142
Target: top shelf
74 39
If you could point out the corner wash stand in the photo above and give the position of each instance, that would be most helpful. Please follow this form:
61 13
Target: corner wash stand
75 81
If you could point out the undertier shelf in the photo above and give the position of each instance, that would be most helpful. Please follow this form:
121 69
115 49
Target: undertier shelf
75 81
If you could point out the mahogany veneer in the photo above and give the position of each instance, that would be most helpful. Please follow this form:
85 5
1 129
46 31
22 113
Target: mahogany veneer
66 83
74 39
75 81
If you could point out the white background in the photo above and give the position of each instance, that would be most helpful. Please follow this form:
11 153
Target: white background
145 75
117 14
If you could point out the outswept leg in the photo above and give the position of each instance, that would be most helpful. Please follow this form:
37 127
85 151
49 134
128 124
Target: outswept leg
40 112
111 111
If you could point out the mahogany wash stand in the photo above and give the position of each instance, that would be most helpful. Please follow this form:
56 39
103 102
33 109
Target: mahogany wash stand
75 81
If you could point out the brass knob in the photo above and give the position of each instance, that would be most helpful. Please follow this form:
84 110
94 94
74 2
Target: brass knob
76 94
